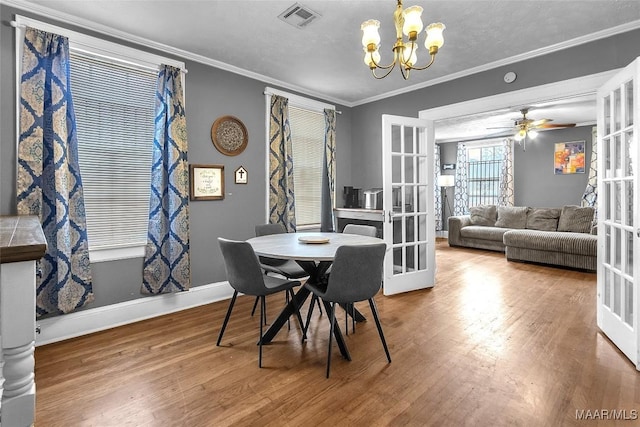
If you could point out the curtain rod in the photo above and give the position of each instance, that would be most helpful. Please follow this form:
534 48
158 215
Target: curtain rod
271 91
14 24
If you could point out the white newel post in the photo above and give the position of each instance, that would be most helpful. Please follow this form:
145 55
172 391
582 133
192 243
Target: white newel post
20 241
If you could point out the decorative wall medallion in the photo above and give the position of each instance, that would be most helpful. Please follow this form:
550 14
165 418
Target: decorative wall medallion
229 135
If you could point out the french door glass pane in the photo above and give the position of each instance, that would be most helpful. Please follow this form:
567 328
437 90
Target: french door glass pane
618 153
409 140
607 288
616 294
629 103
607 117
396 142
629 252
607 157
617 258
628 302
422 256
607 245
616 110
397 260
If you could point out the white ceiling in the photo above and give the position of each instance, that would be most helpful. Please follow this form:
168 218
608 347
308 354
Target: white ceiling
325 58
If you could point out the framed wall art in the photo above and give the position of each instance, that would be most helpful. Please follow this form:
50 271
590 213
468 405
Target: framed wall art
568 158
241 175
229 135
206 182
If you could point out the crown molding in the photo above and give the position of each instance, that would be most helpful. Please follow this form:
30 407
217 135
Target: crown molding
66 18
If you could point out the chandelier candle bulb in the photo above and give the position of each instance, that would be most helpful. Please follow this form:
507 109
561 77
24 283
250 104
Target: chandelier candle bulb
435 39
370 34
412 22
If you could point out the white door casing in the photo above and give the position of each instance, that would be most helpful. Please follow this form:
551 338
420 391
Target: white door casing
618 217
408 205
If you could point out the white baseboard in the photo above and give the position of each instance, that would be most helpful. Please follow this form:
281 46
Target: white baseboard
84 322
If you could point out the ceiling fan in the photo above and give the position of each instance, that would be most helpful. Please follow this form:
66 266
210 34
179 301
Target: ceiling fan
526 127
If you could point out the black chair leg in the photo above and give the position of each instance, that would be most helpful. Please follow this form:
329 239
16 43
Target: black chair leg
309 313
333 322
226 318
263 305
286 300
374 311
255 305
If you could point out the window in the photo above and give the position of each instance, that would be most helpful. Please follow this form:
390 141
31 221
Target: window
115 110
113 89
307 139
306 121
484 166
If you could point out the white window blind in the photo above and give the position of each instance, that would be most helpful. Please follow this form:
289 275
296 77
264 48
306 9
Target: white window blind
114 107
307 137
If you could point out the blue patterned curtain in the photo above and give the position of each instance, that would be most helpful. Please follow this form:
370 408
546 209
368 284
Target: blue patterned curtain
437 191
48 175
328 171
461 195
506 196
166 264
281 196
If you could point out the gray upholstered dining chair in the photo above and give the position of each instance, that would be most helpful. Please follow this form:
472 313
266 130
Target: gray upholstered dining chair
244 275
285 267
356 276
363 230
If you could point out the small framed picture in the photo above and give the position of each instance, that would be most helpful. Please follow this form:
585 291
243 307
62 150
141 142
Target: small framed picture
206 182
242 177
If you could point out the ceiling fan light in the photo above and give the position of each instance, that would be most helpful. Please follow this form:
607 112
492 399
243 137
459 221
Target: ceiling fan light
520 135
412 22
370 33
435 38
532 134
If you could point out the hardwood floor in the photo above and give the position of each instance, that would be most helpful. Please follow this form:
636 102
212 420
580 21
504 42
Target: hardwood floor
493 343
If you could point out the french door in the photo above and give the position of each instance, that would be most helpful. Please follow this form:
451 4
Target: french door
409 226
618 216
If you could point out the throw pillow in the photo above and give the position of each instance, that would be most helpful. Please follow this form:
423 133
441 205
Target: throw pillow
576 219
544 219
483 215
512 217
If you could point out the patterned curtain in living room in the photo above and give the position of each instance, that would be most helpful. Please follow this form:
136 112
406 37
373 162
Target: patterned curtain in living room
506 195
281 195
461 195
590 195
166 263
48 176
328 171
437 191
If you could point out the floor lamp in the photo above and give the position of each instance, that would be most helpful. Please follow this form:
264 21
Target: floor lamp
445 181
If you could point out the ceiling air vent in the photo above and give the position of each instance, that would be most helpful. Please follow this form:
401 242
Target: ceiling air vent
298 15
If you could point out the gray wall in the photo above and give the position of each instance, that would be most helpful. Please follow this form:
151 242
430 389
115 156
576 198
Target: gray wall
595 57
210 93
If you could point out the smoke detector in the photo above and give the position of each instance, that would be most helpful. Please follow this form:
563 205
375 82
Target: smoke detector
298 15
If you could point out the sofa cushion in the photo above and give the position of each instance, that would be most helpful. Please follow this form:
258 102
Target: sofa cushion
554 241
576 219
483 232
483 215
512 217
544 219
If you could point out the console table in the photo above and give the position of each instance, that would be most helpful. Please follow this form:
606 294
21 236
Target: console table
22 243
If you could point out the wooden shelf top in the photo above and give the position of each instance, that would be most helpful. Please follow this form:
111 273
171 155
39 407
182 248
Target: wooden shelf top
21 239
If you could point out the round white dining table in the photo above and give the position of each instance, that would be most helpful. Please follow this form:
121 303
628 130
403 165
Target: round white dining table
314 252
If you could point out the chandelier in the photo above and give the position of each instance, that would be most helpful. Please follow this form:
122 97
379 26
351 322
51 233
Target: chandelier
409 23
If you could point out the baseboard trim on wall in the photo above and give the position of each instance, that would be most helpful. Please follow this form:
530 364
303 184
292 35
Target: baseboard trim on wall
72 325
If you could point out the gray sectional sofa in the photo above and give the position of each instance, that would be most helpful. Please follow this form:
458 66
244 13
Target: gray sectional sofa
556 236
